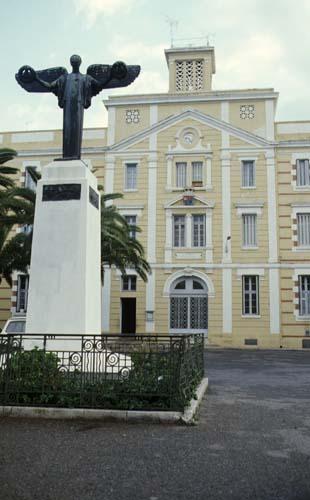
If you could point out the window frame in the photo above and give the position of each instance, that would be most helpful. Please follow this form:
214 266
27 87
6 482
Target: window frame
133 232
183 216
126 165
202 225
298 185
245 244
131 283
201 180
301 244
245 161
256 292
185 165
301 278
19 309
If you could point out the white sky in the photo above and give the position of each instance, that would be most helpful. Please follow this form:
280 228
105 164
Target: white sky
258 43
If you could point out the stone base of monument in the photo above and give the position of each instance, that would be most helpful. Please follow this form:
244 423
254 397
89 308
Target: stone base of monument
65 289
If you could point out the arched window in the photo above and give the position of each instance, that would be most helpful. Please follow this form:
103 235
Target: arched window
188 306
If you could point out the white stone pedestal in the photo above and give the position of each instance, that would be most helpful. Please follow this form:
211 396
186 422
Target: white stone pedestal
65 285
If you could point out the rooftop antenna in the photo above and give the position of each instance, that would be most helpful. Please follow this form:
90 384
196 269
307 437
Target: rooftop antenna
173 23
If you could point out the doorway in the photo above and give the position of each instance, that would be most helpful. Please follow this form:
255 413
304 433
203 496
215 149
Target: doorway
188 306
128 315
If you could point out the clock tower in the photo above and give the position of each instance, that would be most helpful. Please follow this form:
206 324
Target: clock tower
190 69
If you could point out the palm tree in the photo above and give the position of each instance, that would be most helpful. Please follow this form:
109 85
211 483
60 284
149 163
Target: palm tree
12 250
118 248
7 154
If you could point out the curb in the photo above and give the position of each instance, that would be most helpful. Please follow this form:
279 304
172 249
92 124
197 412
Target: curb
131 416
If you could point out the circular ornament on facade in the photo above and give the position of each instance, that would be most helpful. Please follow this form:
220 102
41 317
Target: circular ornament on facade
189 137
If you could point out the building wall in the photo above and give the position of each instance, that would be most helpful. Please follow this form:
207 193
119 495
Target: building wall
227 127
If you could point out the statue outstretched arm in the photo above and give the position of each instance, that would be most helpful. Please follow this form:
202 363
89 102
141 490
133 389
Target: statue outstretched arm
38 81
107 77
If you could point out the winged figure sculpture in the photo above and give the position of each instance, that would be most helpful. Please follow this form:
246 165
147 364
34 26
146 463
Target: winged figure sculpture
75 91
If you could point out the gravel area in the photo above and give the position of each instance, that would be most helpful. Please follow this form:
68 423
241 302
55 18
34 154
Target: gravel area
252 441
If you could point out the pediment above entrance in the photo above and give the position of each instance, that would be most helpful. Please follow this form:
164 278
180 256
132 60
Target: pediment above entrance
188 200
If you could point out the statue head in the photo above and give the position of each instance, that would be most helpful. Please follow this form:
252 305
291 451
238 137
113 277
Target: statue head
75 62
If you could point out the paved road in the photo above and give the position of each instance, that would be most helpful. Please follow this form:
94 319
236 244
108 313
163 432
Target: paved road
252 442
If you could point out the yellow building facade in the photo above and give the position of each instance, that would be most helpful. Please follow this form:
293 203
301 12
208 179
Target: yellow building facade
222 194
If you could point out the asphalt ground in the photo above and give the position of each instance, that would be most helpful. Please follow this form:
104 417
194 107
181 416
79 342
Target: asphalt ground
252 441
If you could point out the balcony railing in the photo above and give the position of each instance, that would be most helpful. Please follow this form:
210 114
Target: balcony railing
106 371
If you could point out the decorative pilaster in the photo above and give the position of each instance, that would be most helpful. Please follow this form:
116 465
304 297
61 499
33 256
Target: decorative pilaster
168 245
272 206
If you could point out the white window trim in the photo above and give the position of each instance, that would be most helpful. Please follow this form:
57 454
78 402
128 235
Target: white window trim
170 210
253 208
299 156
295 278
129 274
189 157
126 162
137 211
251 316
299 209
241 160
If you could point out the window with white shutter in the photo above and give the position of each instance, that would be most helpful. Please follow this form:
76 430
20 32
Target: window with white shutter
181 174
197 172
199 230
130 176
248 173
179 230
249 229
303 173
303 229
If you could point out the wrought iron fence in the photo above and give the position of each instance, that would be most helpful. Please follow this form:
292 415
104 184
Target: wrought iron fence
106 371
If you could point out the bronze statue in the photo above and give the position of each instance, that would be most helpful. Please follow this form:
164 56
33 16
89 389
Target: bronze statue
74 92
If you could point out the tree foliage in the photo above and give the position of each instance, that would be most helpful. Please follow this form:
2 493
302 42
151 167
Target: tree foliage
17 206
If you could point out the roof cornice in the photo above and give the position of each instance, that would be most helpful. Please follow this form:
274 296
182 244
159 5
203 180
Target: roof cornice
225 95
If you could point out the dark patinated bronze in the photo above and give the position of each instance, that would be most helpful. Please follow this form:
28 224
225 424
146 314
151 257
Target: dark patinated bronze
75 91
61 192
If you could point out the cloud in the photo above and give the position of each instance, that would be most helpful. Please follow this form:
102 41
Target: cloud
40 114
92 9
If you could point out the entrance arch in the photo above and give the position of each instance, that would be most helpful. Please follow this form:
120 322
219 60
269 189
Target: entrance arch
188 305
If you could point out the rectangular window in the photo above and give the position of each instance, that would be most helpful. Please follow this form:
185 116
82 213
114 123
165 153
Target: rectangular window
199 230
303 229
131 221
303 172
29 182
304 295
197 173
179 230
131 176
22 293
248 173
129 283
181 174
249 230
250 295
